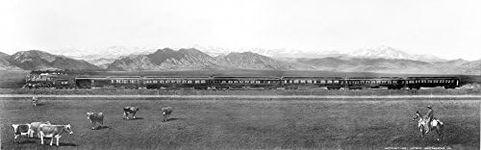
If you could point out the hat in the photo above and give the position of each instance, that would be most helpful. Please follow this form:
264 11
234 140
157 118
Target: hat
429 106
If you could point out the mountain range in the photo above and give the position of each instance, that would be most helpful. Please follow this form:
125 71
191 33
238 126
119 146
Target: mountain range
379 60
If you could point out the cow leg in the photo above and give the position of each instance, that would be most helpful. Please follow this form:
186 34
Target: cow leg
58 138
133 114
125 115
41 138
15 139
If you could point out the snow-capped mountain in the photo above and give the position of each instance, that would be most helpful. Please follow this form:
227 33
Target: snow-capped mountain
387 52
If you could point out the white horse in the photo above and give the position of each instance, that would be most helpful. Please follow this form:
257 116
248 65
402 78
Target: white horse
424 128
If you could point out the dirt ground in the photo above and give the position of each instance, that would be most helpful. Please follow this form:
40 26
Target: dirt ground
247 124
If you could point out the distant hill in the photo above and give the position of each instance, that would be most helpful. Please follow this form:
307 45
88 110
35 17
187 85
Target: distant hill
5 63
35 59
249 60
165 59
381 60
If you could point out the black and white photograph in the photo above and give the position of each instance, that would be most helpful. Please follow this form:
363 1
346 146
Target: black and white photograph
240 74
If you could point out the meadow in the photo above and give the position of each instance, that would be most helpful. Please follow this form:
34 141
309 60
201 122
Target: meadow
247 124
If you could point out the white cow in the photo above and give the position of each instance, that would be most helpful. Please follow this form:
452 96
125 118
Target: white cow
35 126
21 130
53 131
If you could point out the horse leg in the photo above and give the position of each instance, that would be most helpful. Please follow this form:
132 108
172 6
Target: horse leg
440 133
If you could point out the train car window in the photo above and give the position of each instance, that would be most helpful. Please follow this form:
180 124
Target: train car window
189 81
323 81
202 81
258 82
336 81
296 81
329 82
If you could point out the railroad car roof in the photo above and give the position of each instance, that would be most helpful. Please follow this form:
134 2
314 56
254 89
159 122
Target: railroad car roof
245 77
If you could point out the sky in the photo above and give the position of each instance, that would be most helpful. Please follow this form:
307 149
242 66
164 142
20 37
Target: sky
448 29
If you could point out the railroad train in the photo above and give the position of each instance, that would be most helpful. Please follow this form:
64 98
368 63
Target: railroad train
61 80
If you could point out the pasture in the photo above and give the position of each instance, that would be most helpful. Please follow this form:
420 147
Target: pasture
246 124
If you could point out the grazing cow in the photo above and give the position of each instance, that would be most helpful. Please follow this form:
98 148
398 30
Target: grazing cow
95 118
53 131
35 100
166 111
130 110
21 130
35 126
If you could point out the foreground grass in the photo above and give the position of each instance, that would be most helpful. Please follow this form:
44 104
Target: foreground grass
217 124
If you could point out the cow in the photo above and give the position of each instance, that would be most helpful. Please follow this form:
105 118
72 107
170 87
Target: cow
95 118
21 130
35 100
35 126
166 111
53 131
130 110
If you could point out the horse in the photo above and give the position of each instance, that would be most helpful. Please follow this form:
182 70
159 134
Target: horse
424 128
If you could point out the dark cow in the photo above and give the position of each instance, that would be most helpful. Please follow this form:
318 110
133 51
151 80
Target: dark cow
53 131
166 111
21 130
34 128
95 118
130 110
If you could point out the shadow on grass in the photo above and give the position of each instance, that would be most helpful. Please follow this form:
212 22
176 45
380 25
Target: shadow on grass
103 127
136 118
68 144
25 142
39 104
172 119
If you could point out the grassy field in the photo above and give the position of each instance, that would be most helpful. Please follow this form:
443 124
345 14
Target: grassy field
311 91
255 124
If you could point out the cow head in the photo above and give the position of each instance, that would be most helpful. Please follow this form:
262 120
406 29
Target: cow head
15 127
136 108
418 115
68 128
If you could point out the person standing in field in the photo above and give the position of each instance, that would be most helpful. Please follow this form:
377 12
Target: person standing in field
429 116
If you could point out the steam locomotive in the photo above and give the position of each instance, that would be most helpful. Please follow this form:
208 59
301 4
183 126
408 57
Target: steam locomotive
62 80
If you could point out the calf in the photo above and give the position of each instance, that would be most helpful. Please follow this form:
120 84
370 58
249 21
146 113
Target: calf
53 131
166 111
21 130
95 118
130 110
35 126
